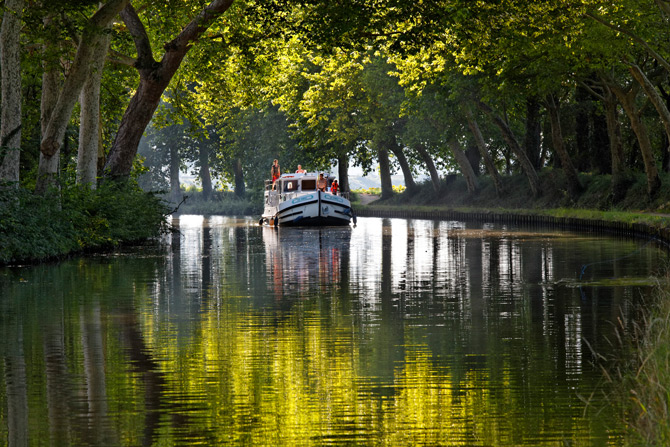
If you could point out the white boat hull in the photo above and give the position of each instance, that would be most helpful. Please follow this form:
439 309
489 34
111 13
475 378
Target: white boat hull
311 208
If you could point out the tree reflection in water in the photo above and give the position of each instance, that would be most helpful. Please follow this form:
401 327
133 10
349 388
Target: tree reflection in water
396 332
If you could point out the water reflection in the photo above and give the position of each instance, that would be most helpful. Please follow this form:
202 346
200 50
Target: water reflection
396 332
301 259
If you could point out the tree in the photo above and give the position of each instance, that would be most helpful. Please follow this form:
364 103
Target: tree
10 77
465 166
513 144
90 140
483 150
154 78
574 185
627 96
59 117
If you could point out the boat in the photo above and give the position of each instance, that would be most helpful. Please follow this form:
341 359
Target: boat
293 200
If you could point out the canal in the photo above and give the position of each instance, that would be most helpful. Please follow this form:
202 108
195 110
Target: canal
393 332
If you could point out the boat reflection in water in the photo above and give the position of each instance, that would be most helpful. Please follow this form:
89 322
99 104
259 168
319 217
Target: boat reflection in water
299 259
400 332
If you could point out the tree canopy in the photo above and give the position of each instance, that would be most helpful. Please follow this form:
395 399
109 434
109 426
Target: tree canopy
439 86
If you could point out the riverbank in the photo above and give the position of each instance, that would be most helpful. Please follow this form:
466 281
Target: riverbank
75 220
635 214
612 222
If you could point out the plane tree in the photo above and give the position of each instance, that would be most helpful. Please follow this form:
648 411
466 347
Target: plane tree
385 123
307 58
353 102
10 79
231 98
322 96
523 52
155 74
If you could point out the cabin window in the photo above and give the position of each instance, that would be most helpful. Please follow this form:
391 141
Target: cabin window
291 185
308 185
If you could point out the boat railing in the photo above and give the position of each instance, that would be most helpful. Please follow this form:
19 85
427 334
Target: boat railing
274 196
284 196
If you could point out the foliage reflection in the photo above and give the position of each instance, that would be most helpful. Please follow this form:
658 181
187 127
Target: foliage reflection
396 332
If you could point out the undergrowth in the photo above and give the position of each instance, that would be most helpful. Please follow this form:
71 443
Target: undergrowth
641 380
76 219
596 194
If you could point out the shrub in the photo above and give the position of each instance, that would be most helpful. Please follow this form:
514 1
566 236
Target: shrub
34 228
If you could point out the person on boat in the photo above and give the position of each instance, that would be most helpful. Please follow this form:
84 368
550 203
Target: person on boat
300 170
275 171
334 187
321 183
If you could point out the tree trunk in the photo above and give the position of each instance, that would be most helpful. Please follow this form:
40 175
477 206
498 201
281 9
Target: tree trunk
205 175
616 147
465 166
474 157
600 160
154 79
89 124
343 172
239 178
483 150
655 98
428 160
584 153
385 173
574 185
10 77
175 164
513 144
665 163
52 138
404 166
533 131
51 84
627 100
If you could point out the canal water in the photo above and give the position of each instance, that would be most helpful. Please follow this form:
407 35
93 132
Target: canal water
394 332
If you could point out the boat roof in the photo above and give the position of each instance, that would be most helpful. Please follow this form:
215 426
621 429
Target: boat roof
296 175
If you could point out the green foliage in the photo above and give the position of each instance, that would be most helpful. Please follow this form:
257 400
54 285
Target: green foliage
643 386
594 202
75 219
32 227
398 189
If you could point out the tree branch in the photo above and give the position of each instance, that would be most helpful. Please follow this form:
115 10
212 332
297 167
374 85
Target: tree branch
664 6
120 58
660 59
591 90
196 27
145 56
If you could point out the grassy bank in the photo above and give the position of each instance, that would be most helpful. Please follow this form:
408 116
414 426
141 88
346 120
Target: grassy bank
595 202
74 219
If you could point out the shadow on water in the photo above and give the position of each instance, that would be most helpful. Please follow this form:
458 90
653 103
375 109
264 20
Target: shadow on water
396 332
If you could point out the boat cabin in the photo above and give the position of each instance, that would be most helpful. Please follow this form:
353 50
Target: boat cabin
290 183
